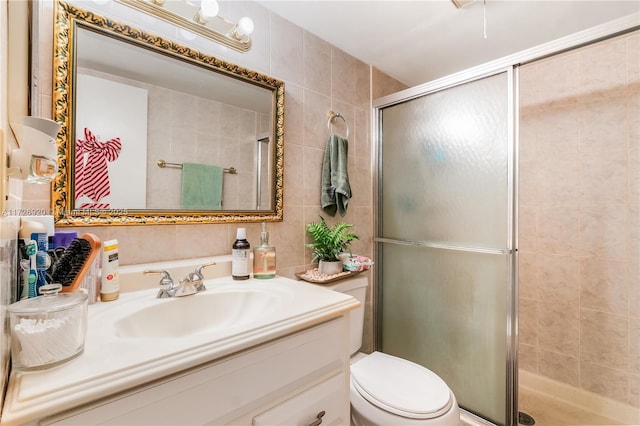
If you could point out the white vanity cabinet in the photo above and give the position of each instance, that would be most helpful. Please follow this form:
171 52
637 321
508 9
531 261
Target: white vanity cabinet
298 379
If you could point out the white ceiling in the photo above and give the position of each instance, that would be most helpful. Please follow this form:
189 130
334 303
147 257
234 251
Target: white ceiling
421 40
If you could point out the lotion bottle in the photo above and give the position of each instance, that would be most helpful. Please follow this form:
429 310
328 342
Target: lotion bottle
240 256
110 288
264 257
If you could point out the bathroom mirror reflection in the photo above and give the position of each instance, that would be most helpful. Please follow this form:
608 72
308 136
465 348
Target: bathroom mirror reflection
155 132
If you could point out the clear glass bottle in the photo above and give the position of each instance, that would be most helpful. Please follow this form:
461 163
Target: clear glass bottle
264 257
240 256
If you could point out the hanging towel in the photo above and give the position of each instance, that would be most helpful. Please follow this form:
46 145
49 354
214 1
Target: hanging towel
92 175
201 186
336 190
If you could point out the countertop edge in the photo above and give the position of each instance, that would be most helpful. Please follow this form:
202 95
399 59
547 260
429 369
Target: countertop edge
88 391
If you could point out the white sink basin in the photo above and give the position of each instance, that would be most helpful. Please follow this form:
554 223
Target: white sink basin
199 313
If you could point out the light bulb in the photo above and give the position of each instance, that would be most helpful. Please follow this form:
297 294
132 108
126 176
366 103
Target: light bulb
245 27
208 8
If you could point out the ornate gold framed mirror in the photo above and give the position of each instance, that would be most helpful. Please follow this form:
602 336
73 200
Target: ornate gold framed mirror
154 132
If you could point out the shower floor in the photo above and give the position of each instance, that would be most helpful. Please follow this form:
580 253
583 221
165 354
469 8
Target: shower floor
548 411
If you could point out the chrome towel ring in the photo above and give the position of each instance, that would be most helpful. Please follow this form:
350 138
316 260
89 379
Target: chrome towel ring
332 117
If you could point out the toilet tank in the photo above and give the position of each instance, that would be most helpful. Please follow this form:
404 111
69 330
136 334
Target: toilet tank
357 288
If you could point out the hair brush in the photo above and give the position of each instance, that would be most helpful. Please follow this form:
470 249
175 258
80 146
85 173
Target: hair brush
72 266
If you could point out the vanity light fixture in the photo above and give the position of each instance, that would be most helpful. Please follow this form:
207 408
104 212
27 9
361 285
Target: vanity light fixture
199 17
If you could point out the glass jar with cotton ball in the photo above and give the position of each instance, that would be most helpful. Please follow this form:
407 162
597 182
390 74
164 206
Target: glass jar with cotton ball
47 330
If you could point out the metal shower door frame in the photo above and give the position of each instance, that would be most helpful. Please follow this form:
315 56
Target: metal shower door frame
511 327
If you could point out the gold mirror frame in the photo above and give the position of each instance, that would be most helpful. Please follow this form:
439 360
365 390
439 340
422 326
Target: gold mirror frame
66 18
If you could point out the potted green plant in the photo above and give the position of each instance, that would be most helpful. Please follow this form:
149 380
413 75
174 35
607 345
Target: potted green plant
328 243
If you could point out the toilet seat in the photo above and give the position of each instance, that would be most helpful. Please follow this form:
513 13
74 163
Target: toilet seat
401 387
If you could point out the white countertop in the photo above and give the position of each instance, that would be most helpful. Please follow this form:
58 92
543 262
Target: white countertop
112 364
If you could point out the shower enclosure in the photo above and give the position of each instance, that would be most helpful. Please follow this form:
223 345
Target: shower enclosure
457 275
446 238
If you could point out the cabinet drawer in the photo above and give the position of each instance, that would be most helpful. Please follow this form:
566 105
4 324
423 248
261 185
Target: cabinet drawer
324 404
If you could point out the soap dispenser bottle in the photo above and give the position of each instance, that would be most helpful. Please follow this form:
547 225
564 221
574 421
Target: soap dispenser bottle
240 256
264 257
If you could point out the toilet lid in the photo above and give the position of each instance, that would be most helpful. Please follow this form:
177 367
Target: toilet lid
401 387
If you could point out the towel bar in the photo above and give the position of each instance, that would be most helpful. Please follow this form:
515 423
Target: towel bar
163 164
332 116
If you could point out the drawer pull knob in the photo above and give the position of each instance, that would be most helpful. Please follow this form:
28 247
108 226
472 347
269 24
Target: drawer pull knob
318 419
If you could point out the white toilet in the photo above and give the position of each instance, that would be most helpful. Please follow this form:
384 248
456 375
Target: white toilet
387 390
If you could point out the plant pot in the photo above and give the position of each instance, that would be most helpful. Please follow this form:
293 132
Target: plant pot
330 268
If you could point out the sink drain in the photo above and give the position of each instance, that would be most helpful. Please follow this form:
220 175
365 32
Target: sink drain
525 419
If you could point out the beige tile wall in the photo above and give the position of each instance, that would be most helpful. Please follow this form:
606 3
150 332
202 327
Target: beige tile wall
579 197
319 77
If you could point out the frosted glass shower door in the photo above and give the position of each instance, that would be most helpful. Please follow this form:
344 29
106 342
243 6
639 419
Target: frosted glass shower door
445 258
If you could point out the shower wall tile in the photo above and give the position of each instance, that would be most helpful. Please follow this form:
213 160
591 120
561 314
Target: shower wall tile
557 132
528 269
633 61
633 266
556 180
558 279
557 75
579 182
604 338
527 228
557 229
604 285
608 382
602 125
530 89
528 332
602 68
634 344
634 390
603 231
559 328
527 357
529 122
559 367
527 185
606 180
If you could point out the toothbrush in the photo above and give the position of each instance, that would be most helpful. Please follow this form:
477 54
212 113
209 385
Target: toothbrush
31 251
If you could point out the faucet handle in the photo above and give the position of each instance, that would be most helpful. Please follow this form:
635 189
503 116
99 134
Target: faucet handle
200 268
197 276
166 283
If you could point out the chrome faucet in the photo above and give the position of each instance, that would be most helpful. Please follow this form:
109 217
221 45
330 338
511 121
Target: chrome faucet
189 285
167 288
195 278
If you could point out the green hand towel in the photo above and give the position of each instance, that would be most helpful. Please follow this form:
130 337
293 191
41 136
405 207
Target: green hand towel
201 186
335 191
